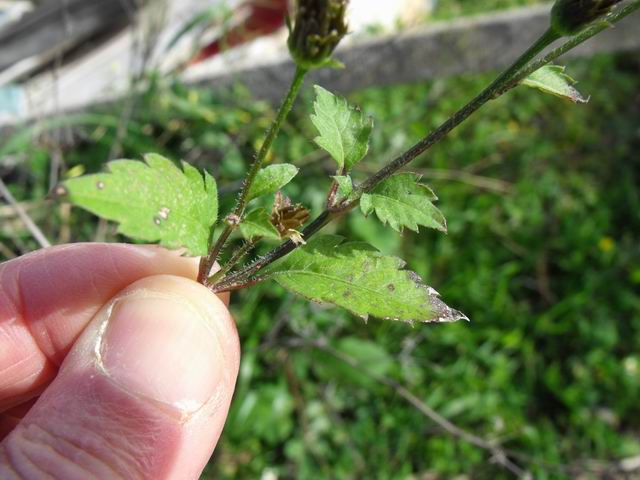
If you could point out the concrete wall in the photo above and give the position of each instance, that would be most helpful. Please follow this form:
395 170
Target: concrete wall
468 45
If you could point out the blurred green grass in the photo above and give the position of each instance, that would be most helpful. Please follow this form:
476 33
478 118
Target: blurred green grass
543 254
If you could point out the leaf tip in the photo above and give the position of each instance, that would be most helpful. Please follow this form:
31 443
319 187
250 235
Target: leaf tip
320 90
442 312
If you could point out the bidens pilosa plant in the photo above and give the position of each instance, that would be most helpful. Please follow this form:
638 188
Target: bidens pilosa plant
177 206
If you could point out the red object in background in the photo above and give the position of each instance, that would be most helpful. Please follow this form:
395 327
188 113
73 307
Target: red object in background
264 17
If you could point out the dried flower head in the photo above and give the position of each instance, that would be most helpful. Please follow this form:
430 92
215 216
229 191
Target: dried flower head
568 17
287 218
318 28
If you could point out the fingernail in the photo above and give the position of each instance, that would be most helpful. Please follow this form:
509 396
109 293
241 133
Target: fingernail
164 349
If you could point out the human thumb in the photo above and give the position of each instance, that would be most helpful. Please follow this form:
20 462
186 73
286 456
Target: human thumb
143 394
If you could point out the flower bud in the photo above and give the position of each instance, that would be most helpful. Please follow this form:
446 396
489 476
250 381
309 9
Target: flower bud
318 28
569 17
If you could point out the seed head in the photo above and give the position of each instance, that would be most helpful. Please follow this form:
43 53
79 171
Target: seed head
318 28
569 17
287 217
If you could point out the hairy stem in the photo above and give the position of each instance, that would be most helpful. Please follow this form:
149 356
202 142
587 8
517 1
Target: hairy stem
460 116
280 251
510 78
207 262
234 260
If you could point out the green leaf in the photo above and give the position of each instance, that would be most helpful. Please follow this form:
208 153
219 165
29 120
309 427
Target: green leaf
357 277
344 130
257 223
552 79
271 179
402 201
153 201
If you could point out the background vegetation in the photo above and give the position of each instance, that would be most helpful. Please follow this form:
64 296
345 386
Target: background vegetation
543 254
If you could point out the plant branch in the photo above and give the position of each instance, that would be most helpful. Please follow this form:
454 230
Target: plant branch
572 43
485 183
285 108
232 282
234 260
207 262
460 116
508 79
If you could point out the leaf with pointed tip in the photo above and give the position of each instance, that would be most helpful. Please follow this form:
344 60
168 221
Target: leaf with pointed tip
257 223
357 277
153 201
344 130
402 201
552 79
271 179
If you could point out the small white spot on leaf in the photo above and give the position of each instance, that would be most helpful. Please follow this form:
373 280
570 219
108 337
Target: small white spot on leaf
164 213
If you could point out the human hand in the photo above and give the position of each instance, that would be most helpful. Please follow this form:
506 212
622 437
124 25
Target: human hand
114 363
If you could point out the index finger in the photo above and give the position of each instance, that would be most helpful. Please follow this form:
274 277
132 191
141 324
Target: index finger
47 298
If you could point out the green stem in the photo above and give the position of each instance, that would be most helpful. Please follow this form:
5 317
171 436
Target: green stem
285 108
234 260
240 277
207 262
457 118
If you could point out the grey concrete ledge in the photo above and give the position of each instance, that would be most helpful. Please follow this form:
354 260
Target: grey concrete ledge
467 45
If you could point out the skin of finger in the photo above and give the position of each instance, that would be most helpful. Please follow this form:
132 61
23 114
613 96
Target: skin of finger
48 297
10 418
97 426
